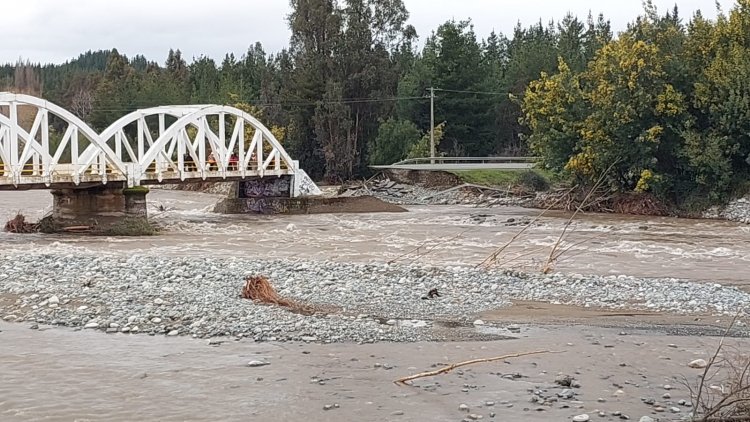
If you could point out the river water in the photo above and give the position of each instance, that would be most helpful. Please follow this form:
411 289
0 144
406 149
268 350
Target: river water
710 250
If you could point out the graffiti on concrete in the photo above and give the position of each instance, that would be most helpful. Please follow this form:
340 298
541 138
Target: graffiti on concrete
307 186
266 206
304 186
276 187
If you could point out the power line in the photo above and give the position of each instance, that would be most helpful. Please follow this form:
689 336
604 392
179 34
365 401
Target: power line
292 103
473 92
320 102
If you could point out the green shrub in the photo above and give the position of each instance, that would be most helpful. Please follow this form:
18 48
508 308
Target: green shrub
131 226
532 181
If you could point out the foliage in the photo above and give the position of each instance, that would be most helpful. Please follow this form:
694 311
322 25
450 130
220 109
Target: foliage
422 147
666 106
533 181
395 139
131 226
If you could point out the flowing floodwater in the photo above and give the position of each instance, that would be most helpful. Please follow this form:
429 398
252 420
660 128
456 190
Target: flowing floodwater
710 250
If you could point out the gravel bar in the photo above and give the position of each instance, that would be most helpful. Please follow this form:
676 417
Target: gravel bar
373 302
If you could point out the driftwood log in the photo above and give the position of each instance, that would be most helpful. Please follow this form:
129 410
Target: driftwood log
451 367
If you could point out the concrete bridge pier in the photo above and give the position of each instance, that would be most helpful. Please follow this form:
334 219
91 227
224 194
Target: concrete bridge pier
103 206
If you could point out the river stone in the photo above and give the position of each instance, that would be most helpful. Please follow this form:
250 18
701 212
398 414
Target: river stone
207 302
646 419
257 363
581 418
698 364
563 380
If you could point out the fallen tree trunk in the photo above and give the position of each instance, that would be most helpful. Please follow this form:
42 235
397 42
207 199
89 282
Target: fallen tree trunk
449 368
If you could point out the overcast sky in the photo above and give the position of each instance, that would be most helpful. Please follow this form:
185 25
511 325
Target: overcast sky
56 30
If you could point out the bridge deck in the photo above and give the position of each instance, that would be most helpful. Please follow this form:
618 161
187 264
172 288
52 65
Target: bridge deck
63 177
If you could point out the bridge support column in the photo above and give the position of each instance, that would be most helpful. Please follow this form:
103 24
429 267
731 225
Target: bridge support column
103 207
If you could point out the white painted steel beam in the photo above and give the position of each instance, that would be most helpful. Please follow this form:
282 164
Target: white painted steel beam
194 146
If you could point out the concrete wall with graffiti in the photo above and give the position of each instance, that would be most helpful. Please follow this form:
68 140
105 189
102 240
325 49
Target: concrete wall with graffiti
267 187
261 195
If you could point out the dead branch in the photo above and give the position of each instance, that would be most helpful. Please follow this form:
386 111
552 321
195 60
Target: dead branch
492 258
547 267
451 367
18 224
521 255
259 289
730 402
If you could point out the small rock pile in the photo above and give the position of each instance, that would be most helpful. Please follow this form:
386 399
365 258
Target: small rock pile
737 210
404 194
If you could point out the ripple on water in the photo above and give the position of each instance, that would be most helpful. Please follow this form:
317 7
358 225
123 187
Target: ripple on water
444 235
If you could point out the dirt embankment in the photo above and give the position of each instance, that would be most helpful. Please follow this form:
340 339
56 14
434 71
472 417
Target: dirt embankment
442 188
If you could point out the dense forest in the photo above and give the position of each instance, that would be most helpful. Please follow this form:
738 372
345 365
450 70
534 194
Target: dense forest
662 107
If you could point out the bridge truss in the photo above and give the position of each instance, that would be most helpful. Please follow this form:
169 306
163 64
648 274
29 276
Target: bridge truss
43 145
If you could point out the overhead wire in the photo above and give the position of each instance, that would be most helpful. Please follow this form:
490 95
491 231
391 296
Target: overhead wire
342 101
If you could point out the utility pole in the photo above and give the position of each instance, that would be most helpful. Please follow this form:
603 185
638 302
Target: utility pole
432 125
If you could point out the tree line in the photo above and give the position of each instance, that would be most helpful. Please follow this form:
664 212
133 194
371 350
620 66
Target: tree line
665 100
663 109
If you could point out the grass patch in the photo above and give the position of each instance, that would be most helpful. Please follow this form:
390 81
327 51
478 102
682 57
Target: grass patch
534 179
133 226
135 190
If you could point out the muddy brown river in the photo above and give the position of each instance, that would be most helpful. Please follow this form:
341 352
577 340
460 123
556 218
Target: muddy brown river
443 235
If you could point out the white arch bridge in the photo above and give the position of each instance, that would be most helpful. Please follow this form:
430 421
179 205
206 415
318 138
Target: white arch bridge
169 144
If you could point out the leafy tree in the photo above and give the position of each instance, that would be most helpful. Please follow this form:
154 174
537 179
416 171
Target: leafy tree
554 109
115 95
394 141
421 149
205 81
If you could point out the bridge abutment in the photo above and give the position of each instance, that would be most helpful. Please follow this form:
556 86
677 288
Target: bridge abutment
100 207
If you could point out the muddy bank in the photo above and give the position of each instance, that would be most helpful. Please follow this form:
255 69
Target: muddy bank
60 375
418 187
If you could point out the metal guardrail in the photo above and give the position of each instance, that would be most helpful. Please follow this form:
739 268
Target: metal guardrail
462 163
457 160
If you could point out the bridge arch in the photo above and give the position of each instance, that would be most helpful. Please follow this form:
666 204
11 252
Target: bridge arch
201 142
30 151
263 154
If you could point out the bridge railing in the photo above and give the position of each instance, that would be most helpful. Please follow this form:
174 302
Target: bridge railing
465 160
168 143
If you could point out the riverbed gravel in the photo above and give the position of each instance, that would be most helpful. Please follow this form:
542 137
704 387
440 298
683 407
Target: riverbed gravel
736 210
356 302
